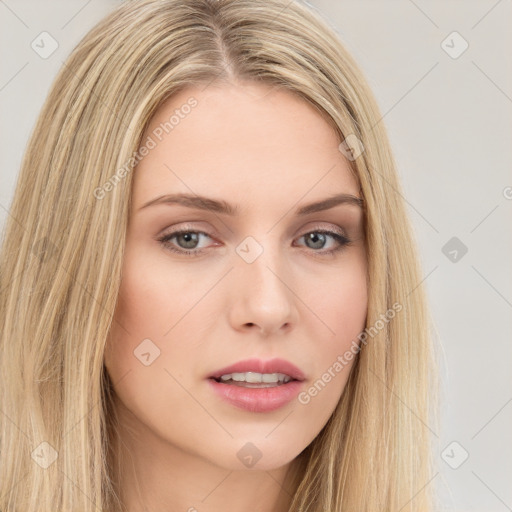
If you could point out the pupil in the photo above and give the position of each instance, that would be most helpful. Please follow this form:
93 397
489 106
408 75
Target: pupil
315 237
190 238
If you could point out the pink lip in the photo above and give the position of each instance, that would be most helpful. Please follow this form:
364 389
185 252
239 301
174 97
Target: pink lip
259 399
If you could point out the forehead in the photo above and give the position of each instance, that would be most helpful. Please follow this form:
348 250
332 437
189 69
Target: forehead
246 140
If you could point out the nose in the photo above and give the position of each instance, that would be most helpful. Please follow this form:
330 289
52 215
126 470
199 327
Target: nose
262 297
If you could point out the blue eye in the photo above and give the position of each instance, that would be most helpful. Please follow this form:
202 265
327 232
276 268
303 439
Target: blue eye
186 241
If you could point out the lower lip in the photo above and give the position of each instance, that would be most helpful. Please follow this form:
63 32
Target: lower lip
257 399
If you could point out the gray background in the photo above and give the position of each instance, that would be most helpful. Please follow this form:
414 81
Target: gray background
449 123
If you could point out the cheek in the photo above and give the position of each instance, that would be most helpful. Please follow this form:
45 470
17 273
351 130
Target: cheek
154 307
141 313
153 294
339 298
340 306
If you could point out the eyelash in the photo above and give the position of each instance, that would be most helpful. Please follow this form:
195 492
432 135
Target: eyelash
342 240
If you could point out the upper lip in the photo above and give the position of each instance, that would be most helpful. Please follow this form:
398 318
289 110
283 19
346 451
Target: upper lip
260 366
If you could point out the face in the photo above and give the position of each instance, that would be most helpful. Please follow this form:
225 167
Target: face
242 275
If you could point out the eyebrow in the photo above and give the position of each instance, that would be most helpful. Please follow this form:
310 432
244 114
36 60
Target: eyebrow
221 206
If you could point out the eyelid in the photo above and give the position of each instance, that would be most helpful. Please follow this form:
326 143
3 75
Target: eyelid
185 227
335 232
316 226
321 227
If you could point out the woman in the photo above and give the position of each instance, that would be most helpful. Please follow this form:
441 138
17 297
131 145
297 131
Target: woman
211 296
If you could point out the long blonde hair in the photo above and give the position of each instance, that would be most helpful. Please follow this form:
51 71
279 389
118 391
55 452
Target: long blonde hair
62 256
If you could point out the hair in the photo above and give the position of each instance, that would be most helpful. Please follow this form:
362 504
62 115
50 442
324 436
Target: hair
63 247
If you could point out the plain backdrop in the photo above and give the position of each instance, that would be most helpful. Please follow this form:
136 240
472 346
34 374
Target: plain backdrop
441 72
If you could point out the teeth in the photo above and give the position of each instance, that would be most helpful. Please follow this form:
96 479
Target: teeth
254 377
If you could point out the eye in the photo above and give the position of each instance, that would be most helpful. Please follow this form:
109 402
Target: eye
186 241
317 240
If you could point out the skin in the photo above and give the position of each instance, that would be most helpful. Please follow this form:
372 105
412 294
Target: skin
268 152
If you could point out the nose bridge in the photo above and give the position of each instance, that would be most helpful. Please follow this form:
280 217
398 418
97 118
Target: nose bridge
260 262
265 295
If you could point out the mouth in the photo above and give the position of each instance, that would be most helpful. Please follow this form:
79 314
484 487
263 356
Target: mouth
258 386
254 379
